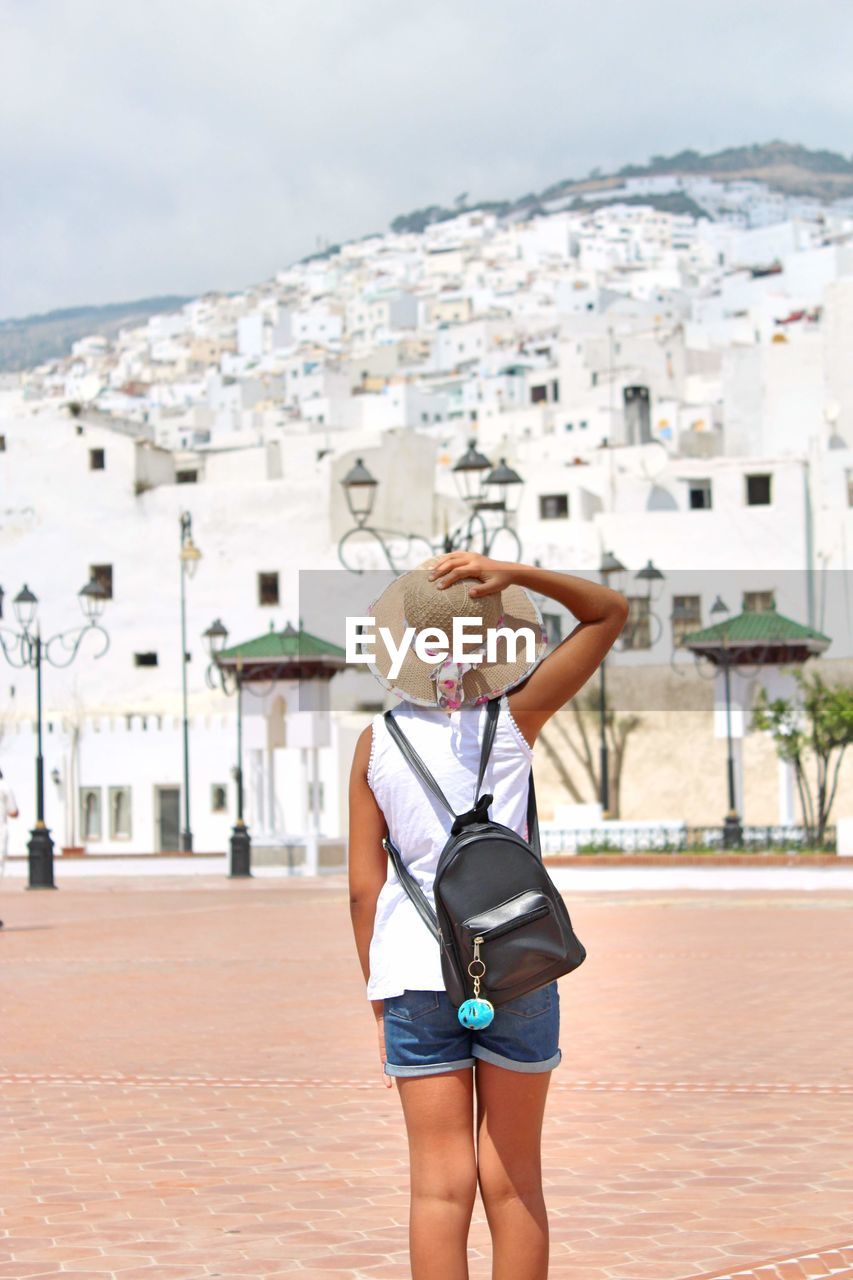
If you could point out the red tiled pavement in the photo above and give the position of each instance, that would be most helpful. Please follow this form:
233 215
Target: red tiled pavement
189 1089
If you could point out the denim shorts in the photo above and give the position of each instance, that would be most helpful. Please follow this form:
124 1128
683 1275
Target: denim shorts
423 1034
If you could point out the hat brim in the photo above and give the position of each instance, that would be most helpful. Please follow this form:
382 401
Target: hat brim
484 681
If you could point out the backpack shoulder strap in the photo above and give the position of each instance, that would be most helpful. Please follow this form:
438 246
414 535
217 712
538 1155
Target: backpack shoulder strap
493 710
412 888
416 762
533 820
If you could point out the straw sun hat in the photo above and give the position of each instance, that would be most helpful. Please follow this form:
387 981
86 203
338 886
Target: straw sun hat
414 601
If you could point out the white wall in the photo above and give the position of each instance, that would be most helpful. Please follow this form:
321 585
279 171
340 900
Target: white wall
145 752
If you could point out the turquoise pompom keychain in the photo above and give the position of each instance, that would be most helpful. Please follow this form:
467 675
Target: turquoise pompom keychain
476 1012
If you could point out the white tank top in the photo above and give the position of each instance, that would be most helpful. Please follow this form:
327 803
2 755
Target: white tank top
404 954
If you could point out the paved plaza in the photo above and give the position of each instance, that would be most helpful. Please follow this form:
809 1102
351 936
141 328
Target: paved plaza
190 1088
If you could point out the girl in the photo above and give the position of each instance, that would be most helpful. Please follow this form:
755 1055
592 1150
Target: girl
421 1041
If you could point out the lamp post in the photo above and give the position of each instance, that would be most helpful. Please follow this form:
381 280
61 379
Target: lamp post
215 638
483 487
608 567
189 557
26 648
612 567
241 844
732 829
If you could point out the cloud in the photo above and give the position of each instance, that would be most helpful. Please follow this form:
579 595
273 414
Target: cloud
172 147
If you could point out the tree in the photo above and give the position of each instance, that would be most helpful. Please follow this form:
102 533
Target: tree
585 715
817 722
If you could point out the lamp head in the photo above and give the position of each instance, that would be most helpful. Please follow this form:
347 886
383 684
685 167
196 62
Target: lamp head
93 599
25 605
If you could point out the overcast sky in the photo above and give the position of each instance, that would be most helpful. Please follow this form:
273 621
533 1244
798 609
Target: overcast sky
173 146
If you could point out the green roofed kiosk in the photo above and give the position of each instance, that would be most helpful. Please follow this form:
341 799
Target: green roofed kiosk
282 684
755 639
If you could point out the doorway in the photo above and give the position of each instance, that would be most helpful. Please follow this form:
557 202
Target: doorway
168 818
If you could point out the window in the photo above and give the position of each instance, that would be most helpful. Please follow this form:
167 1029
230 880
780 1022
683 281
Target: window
555 391
218 798
119 813
145 660
758 491
97 460
538 394
186 477
103 575
850 488
570 426
699 495
267 588
637 632
686 617
758 601
553 506
90 813
2 444
583 424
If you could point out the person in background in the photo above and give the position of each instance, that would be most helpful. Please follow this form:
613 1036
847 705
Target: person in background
8 809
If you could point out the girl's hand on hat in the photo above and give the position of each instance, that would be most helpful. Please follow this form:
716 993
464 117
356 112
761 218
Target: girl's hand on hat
494 575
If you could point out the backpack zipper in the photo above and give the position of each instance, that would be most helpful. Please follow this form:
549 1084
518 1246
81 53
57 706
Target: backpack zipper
497 930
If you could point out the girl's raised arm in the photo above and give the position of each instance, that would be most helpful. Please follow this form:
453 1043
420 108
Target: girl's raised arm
601 614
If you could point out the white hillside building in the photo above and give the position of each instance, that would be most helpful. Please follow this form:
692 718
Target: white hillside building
668 389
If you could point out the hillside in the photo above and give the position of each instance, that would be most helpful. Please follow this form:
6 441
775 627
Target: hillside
786 167
32 340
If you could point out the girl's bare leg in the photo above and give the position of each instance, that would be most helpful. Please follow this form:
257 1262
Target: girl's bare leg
438 1110
510 1108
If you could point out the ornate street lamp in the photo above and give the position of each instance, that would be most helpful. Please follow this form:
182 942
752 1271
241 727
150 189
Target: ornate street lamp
482 487
26 648
215 638
189 559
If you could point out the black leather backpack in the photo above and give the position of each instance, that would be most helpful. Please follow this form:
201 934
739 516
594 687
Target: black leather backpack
491 888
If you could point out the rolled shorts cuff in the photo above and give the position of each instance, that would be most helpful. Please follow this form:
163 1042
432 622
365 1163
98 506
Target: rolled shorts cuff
427 1069
499 1060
